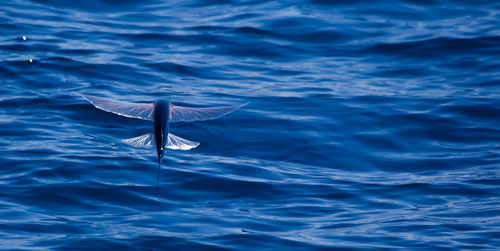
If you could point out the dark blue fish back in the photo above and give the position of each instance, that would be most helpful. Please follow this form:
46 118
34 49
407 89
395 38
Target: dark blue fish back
371 125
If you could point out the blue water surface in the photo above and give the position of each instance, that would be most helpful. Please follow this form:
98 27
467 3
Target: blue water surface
371 125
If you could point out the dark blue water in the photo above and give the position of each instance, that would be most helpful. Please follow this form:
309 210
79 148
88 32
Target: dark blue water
371 125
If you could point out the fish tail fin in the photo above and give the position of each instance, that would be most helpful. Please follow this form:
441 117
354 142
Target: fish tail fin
158 178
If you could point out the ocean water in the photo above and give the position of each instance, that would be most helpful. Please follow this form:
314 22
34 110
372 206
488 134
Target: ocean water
371 125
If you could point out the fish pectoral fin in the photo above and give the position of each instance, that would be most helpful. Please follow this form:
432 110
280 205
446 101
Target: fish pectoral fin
144 141
126 109
178 143
189 114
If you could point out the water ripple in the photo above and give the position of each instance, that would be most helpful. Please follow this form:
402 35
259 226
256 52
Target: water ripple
370 125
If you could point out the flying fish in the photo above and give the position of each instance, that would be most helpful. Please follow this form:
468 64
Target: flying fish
162 113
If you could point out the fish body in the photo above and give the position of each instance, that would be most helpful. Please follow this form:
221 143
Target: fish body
160 126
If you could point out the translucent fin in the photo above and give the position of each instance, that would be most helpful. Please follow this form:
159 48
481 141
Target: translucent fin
188 114
144 141
127 109
178 143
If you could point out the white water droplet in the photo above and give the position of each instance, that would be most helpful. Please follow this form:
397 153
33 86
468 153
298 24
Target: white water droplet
31 60
24 37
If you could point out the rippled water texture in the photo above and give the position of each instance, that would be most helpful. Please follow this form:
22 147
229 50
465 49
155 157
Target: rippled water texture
371 125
